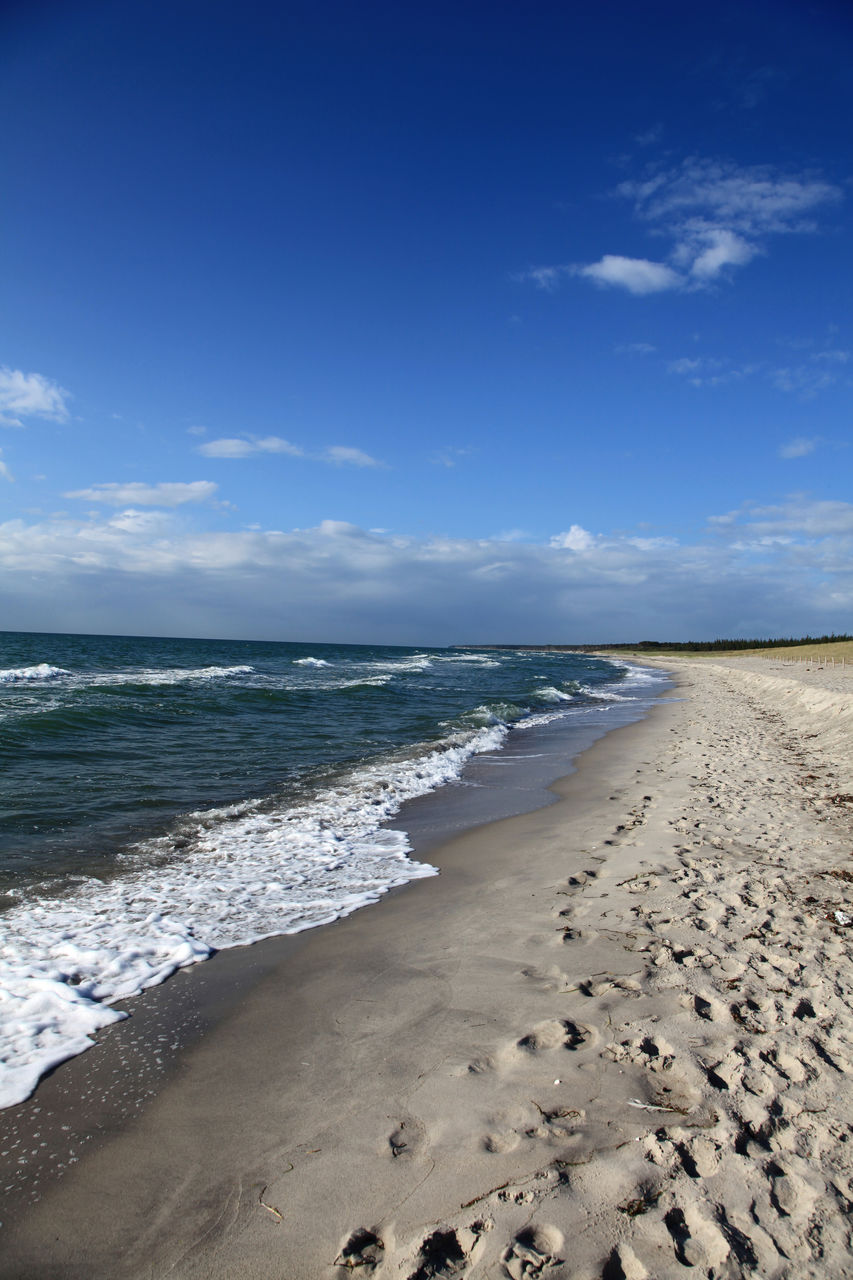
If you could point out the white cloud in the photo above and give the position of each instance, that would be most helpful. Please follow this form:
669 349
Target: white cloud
543 277
799 447
782 568
145 523
709 371
245 447
718 216
196 431
635 349
650 136
715 249
147 495
448 456
337 455
4 470
685 365
25 395
511 535
341 455
800 516
832 357
652 544
637 275
577 539
754 200
804 380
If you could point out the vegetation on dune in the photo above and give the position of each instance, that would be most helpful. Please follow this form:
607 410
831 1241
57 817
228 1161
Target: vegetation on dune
807 648
739 646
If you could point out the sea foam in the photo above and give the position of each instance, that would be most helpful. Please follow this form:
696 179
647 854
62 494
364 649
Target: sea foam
244 873
42 671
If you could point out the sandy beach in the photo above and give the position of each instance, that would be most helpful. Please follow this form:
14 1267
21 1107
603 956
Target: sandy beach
614 1038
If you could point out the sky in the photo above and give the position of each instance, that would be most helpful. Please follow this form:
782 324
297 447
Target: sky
426 324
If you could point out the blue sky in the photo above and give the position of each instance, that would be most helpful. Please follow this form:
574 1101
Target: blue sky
426 324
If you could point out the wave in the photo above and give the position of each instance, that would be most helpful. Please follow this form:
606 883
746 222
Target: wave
418 662
637 675
604 695
494 713
42 671
551 694
540 718
310 662
473 660
243 873
168 675
361 682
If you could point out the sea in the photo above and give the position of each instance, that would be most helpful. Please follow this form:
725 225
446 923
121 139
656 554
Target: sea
163 799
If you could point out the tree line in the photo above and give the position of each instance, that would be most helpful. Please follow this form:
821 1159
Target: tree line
708 646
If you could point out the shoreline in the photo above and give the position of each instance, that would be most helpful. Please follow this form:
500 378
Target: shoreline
88 1101
286 857
453 1068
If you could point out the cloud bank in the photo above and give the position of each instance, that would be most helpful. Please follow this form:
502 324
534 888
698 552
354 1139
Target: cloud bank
759 570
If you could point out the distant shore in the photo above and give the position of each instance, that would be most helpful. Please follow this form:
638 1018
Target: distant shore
613 1037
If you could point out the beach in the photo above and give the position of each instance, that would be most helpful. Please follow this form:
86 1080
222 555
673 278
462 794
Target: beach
612 1038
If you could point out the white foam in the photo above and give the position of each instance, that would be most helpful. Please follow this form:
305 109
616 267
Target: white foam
638 675
246 872
496 713
541 718
165 675
42 671
474 659
551 694
376 681
418 662
604 695
310 662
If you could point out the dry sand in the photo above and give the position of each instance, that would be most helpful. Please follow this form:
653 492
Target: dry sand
613 1039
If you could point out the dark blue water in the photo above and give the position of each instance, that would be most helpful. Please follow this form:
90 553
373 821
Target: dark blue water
104 740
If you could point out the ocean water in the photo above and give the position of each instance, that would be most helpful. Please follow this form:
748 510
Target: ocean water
162 799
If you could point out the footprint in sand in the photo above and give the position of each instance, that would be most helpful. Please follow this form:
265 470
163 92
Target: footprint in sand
623 1264
592 988
698 1242
700 1156
499 1143
534 1250
708 1007
548 980
446 1253
556 1034
407 1139
571 933
364 1250
670 1089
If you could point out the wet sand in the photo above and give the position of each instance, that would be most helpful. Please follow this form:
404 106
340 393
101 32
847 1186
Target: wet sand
613 1038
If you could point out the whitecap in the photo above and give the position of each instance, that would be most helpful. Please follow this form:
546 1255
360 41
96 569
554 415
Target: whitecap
42 671
166 675
551 694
